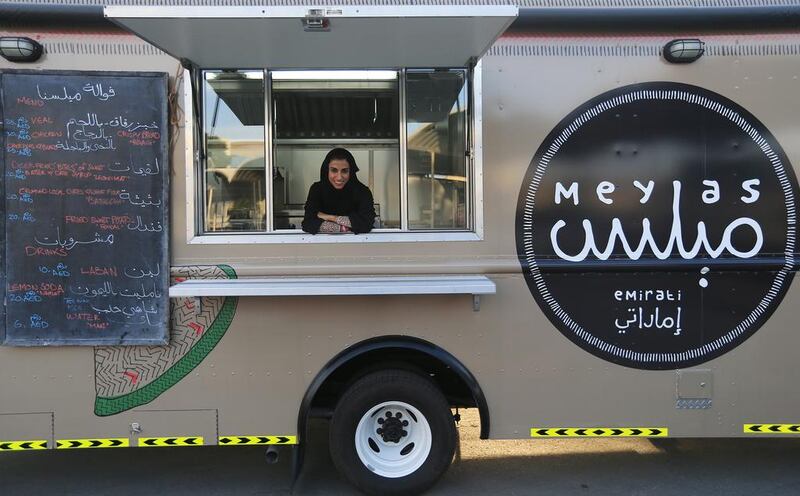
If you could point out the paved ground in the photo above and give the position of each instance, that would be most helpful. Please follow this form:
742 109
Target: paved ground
541 467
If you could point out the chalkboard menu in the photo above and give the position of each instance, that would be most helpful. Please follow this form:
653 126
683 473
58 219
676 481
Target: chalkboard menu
85 168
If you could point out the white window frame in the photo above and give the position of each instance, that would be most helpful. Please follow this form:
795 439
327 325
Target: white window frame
194 228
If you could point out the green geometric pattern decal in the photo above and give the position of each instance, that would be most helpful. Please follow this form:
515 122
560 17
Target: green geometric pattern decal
105 406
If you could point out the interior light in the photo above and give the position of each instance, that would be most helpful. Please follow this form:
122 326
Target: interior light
234 75
334 75
20 49
683 51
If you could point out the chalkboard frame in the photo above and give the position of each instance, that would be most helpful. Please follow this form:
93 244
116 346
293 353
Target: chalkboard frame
166 216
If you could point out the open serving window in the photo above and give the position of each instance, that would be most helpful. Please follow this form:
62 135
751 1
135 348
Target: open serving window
276 88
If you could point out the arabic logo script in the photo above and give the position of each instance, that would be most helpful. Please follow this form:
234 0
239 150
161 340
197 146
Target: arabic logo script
675 241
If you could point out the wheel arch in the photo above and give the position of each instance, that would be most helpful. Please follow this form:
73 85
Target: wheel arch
402 347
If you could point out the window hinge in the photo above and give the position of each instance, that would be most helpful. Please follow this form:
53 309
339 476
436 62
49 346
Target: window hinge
315 20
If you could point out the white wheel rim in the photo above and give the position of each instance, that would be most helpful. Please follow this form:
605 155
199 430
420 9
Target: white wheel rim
398 444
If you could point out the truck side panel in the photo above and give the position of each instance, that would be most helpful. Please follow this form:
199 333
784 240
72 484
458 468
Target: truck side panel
249 377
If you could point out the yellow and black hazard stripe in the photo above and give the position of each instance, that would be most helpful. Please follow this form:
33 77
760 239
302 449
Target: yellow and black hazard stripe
36 444
256 440
599 432
119 442
772 428
153 442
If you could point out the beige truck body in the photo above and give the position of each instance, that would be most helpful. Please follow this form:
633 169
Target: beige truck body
242 365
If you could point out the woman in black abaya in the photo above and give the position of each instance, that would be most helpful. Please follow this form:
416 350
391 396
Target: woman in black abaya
338 202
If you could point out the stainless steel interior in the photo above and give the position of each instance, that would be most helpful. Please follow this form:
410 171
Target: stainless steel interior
312 116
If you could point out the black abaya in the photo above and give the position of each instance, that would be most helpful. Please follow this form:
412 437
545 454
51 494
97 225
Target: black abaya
354 200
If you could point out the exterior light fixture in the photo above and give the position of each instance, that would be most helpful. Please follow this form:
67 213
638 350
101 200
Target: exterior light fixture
20 49
683 51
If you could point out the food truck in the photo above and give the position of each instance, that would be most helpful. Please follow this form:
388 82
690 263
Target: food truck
585 224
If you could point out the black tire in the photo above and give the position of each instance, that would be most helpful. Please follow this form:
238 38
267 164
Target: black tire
365 395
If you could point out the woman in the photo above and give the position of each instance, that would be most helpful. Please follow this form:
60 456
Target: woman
338 202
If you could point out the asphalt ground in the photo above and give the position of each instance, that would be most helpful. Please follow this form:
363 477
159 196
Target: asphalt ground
536 467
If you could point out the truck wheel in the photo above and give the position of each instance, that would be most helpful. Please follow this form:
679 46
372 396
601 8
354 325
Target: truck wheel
392 433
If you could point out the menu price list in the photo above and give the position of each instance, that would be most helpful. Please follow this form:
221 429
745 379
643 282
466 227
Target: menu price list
85 165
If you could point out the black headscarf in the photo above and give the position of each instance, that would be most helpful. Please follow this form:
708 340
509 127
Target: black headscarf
353 201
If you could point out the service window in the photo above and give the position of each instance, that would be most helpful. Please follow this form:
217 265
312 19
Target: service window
314 112
234 172
436 126
409 131
408 113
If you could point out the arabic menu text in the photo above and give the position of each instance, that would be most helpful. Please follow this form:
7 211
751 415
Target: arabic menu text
86 216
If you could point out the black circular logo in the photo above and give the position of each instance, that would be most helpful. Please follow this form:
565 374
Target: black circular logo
656 225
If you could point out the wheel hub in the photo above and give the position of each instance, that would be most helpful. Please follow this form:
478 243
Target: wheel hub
391 428
393 439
